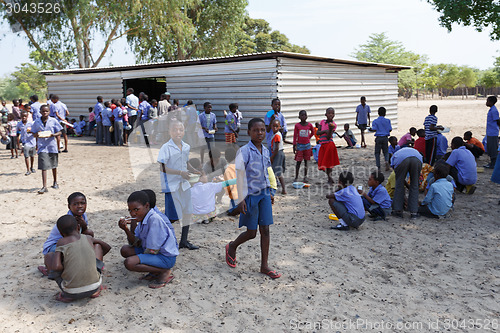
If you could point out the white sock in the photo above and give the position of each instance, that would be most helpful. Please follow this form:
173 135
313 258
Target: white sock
341 222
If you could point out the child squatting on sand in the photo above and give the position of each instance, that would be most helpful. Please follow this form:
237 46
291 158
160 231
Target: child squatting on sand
252 163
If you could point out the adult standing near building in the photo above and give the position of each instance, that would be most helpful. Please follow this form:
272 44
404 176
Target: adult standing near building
404 161
492 129
35 107
132 107
98 108
164 104
274 113
363 118
431 133
59 111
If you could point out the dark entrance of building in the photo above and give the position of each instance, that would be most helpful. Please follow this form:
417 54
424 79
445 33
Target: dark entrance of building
151 86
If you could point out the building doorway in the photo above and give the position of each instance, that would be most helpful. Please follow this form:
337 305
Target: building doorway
151 86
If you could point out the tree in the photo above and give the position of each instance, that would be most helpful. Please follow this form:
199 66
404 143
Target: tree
488 79
466 79
256 35
479 13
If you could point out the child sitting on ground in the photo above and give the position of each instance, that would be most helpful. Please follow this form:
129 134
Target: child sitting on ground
474 145
278 154
152 245
463 166
439 198
420 142
393 146
76 264
346 203
441 146
77 205
377 202
302 134
407 139
348 136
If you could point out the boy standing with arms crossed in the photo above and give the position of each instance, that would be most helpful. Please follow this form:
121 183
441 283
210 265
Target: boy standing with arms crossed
253 187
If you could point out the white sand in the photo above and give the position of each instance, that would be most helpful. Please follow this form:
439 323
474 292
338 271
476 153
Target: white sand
398 271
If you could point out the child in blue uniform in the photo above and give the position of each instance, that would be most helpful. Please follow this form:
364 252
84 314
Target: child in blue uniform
346 203
377 201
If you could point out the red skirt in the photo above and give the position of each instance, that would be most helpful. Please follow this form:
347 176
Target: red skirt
328 156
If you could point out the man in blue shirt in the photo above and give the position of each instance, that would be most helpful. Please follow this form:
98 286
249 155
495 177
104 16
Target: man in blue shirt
492 129
439 198
363 119
463 166
404 161
382 128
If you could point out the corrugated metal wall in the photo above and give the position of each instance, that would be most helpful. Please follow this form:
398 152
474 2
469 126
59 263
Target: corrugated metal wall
314 86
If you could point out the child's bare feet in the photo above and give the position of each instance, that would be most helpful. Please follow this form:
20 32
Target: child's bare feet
305 180
149 277
330 181
272 274
284 191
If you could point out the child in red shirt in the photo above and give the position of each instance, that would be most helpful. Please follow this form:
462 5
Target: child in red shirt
328 156
420 142
302 143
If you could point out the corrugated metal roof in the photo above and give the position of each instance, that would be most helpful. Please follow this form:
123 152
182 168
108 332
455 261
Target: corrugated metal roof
234 58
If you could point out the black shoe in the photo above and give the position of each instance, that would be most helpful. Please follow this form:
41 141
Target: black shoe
378 218
340 227
188 245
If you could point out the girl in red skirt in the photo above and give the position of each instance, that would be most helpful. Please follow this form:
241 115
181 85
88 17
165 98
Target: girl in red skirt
328 156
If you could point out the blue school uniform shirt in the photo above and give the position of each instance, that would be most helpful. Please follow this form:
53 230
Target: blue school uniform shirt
173 158
255 164
462 159
105 115
58 108
442 145
394 149
403 154
117 112
166 219
47 145
98 108
430 120
363 112
28 139
210 126
382 126
380 195
267 121
144 108
155 234
55 235
35 109
439 198
350 197
491 122
232 122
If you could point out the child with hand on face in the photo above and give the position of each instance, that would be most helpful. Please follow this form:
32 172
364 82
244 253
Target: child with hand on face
152 245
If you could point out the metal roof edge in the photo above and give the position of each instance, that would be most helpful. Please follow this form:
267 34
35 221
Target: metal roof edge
233 58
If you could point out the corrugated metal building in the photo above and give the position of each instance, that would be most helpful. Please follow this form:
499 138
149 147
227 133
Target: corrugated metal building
300 81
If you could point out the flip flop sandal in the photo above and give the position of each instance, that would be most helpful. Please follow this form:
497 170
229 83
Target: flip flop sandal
43 270
149 277
230 261
273 274
159 284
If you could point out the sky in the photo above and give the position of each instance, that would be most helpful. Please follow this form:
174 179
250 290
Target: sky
332 28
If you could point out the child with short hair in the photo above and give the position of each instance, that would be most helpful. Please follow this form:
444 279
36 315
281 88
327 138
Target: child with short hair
76 265
441 146
254 194
152 203
92 121
12 133
393 146
346 203
407 139
208 122
377 201
363 118
232 124
28 140
382 128
492 130
118 124
474 145
348 136
152 245
302 134
463 166
106 115
431 131
420 142
278 154
439 199
327 156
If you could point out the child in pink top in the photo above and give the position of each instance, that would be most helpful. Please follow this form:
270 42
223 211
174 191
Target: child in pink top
328 156
302 143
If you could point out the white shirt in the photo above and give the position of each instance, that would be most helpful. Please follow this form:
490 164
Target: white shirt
203 197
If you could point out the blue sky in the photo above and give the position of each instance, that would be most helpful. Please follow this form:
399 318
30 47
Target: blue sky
334 28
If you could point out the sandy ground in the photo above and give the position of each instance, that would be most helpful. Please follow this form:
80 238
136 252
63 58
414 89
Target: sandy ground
393 276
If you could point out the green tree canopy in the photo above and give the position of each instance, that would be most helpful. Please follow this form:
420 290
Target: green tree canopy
477 13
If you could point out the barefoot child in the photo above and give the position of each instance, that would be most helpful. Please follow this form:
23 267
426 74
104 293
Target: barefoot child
76 263
346 203
152 246
363 119
328 156
28 140
278 154
12 132
302 143
348 136
377 201
254 192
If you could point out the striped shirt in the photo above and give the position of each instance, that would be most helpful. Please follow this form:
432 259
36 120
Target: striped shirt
430 120
324 127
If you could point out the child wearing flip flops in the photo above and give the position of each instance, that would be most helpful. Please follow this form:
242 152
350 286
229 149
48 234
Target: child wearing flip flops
152 245
76 264
253 186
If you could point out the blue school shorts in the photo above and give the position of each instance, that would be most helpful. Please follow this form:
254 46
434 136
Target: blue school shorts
259 210
155 260
177 204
